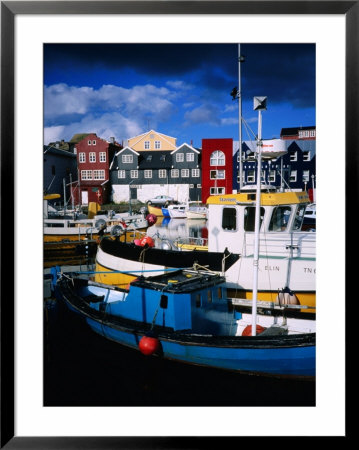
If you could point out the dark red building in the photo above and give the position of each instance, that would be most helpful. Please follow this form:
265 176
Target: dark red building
298 133
217 170
94 156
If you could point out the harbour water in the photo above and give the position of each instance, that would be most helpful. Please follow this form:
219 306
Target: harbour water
84 369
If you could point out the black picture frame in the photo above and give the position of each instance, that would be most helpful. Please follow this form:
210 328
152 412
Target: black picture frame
9 9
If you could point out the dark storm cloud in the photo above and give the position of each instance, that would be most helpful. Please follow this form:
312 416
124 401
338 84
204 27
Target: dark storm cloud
283 72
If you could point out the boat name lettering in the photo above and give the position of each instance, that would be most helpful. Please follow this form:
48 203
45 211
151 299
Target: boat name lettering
309 270
221 199
272 268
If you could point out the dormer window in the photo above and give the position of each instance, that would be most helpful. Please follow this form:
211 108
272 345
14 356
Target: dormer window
127 159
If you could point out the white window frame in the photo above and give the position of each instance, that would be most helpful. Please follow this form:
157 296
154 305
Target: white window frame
184 173
162 173
293 156
157 145
306 156
102 156
306 176
99 174
217 158
251 176
148 173
146 145
92 157
216 191
195 173
312 133
293 176
179 157
272 175
174 173
89 142
215 174
93 142
190 157
134 173
86 175
82 157
121 174
127 159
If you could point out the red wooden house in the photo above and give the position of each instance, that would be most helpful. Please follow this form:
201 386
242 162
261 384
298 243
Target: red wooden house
217 170
94 156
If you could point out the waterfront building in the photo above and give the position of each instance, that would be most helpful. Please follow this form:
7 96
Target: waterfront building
93 159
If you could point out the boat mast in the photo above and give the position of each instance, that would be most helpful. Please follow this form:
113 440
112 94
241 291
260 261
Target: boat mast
240 60
260 104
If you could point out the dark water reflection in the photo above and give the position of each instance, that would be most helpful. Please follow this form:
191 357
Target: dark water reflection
84 369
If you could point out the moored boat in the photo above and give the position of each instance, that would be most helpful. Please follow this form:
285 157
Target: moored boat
185 315
196 210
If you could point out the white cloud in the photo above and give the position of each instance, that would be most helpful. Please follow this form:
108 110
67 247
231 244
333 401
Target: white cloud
108 111
207 114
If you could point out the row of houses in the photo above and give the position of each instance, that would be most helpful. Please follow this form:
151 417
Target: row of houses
151 164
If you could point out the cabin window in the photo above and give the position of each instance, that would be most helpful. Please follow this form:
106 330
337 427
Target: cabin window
299 216
280 218
209 296
198 300
55 224
219 293
229 219
249 218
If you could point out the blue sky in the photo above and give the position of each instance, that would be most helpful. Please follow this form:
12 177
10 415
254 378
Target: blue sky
182 90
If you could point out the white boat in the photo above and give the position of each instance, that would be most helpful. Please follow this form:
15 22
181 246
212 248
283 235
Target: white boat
196 210
177 211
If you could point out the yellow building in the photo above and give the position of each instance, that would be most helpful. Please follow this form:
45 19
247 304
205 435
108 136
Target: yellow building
152 140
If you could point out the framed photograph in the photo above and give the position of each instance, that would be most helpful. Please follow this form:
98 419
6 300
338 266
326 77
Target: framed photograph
30 417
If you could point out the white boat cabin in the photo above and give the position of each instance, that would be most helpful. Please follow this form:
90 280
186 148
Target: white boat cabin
232 218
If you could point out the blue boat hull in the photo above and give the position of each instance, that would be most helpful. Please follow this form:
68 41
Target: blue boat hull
298 361
275 355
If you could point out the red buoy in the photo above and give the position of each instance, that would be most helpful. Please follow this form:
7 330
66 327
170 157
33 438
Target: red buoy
149 345
147 240
248 330
151 219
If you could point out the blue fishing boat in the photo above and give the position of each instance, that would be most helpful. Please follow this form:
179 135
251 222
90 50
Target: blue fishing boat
165 212
185 315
